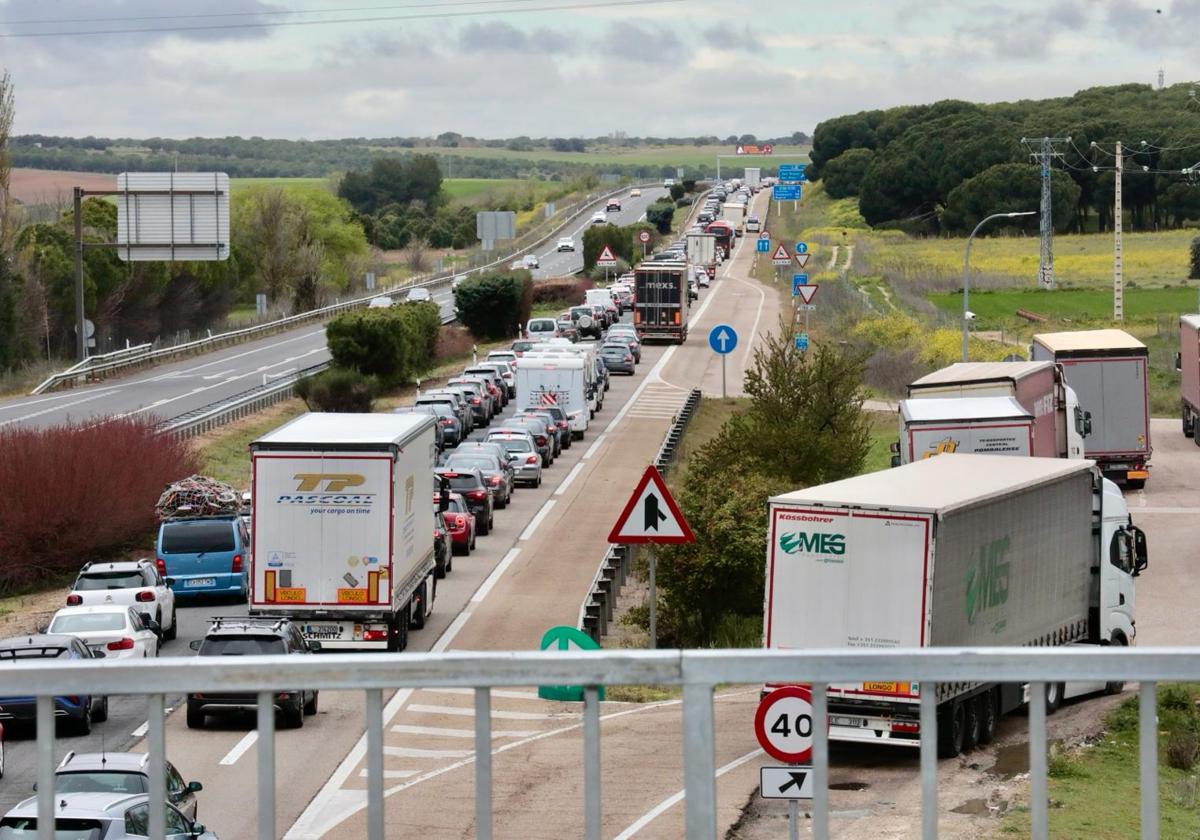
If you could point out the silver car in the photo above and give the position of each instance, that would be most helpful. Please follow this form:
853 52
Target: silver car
522 454
100 816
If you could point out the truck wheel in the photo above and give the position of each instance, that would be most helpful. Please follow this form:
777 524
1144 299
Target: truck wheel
417 609
397 635
973 723
1115 687
1054 693
951 722
1189 425
310 708
195 717
989 716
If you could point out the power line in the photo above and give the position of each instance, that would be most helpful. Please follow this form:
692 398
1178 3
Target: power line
601 4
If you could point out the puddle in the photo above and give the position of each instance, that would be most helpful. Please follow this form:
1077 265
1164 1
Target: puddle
849 786
1013 759
974 807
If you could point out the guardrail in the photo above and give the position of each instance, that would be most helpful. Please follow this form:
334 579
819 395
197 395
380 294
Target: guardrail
98 366
600 602
697 671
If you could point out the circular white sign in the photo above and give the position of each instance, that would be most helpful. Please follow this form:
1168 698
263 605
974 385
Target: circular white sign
784 724
644 236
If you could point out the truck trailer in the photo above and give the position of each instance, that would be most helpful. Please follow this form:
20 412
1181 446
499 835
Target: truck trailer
662 301
343 527
559 381
980 425
953 551
702 251
1187 362
1109 370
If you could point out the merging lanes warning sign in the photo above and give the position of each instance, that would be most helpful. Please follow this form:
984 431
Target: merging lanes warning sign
651 515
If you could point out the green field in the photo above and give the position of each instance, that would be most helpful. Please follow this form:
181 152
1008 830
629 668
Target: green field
636 156
1085 306
242 183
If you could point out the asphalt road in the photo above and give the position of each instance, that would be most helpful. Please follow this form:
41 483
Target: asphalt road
170 390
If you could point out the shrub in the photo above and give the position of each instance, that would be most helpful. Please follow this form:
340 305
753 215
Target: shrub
493 305
75 492
1183 749
660 214
393 345
1194 274
339 390
677 191
566 290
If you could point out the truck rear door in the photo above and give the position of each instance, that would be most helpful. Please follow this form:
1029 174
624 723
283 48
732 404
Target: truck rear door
1114 390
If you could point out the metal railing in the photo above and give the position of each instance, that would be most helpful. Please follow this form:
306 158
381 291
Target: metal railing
96 367
697 671
599 605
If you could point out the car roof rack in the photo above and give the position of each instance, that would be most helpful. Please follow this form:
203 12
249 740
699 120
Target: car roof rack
272 622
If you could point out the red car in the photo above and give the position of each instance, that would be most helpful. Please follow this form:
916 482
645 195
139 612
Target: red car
460 521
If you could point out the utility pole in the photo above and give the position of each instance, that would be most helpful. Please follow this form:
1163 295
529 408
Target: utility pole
1118 265
1044 155
81 338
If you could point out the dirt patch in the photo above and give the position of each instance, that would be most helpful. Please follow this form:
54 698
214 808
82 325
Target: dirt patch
453 342
29 613
52 186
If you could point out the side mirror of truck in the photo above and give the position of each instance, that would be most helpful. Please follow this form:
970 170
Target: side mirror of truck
894 447
1141 552
1087 424
1178 362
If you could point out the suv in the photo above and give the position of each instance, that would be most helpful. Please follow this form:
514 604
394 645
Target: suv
539 329
470 484
79 709
132 583
565 243
205 555
613 205
122 773
585 321
100 816
252 636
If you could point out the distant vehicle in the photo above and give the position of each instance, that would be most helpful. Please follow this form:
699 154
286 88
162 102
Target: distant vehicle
131 583
613 206
627 340
565 243
541 441
417 295
530 261
457 281
585 322
381 302
469 483
753 225
127 772
450 430
668 182
599 218
115 630
539 329
635 193
99 816
78 710
522 454
252 636
496 476
617 358
522 345
663 301
567 328
702 279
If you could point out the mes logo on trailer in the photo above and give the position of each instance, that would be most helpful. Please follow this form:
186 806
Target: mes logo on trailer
987 581
794 542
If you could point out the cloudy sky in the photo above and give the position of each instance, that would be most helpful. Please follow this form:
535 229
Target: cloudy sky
499 68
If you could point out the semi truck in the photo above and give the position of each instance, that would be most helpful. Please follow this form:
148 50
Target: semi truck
734 213
1187 362
1060 423
1109 370
662 300
982 425
702 251
559 381
343 527
953 551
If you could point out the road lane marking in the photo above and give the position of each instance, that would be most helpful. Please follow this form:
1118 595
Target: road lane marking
141 730
486 586
55 398
443 732
413 752
392 774
460 711
668 803
239 749
571 476
595 445
537 520
495 692
55 408
446 638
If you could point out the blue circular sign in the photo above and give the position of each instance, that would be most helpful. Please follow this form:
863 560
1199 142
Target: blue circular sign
722 339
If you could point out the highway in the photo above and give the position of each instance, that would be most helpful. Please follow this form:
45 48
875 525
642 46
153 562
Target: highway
170 390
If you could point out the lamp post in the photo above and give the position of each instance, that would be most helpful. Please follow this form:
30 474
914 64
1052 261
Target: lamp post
966 323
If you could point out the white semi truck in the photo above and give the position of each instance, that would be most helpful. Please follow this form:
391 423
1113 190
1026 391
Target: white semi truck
953 551
343 527
980 425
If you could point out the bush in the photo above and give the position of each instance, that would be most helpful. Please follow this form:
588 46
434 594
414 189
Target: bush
660 214
337 389
566 290
75 492
1194 274
495 304
677 191
393 345
1183 749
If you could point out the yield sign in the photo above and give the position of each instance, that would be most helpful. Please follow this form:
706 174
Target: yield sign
606 257
781 253
651 516
802 259
806 293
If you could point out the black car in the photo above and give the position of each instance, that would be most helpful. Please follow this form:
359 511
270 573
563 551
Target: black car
455 402
450 427
470 484
79 710
442 547
439 431
547 443
252 636
560 428
617 357
497 475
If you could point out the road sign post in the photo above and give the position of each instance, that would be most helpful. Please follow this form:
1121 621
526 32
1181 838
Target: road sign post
722 339
784 728
644 238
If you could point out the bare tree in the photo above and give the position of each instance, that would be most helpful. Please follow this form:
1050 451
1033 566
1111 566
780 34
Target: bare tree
415 255
7 109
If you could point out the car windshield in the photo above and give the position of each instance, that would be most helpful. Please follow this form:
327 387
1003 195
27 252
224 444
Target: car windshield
541 326
65 828
462 481
109 580
522 346
514 445
613 350
465 462
197 537
88 622
242 646
100 781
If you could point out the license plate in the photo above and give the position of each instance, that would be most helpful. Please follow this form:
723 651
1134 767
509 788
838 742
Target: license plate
889 687
196 582
323 631
846 721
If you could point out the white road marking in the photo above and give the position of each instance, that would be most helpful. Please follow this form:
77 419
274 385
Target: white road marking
443 732
1141 498
392 774
662 807
595 445
413 752
495 692
54 398
537 520
446 638
460 711
1187 511
55 408
239 749
497 573
141 730
571 476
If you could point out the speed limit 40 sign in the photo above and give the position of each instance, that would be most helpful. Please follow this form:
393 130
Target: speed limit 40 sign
784 724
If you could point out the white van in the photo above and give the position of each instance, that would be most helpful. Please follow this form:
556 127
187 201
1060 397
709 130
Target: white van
555 380
605 298
539 329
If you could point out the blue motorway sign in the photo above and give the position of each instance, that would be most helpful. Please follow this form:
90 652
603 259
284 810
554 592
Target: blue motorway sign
786 192
802 341
792 172
798 280
762 245
722 339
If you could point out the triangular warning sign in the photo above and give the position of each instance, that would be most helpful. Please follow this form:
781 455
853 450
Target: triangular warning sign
606 256
781 253
651 516
805 293
802 260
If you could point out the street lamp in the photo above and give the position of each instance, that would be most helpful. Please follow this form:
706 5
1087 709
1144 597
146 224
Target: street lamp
967 315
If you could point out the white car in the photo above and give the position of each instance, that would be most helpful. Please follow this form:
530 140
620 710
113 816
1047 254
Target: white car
566 243
753 225
417 295
457 281
129 583
530 261
702 278
635 193
116 631
599 217
381 302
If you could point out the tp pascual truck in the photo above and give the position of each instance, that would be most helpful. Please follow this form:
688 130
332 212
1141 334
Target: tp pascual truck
1188 365
343 527
980 425
953 551
1059 422
1109 370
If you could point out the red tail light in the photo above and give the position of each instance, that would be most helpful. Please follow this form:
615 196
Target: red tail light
460 521
237 563
494 480
162 566
541 439
446 421
475 400
374 635
531 459
74 600
144 596
477 495
562 424
124 644
629 358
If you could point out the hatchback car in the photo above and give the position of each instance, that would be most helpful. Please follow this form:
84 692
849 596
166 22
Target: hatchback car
522 454
77 710
117 631
450 432
418 294
133 583
494 376
470 484
539 329
461 524
205 556
496 475
565 243
560 431
542 441
503 369
455 402
530 261
381 302
99 816
635 193
483 409
617 358
626 340
122 773
599 217
567 328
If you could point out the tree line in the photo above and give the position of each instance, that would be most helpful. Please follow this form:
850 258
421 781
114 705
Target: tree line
942 167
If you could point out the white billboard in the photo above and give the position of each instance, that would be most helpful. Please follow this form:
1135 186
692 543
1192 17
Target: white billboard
164 216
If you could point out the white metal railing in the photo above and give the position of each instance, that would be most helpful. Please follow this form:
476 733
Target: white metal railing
145 354
697 671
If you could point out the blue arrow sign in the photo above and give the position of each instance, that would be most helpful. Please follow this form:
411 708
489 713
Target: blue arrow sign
792 172
722 339
801 248
786 192
798 280
762 246
802 342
